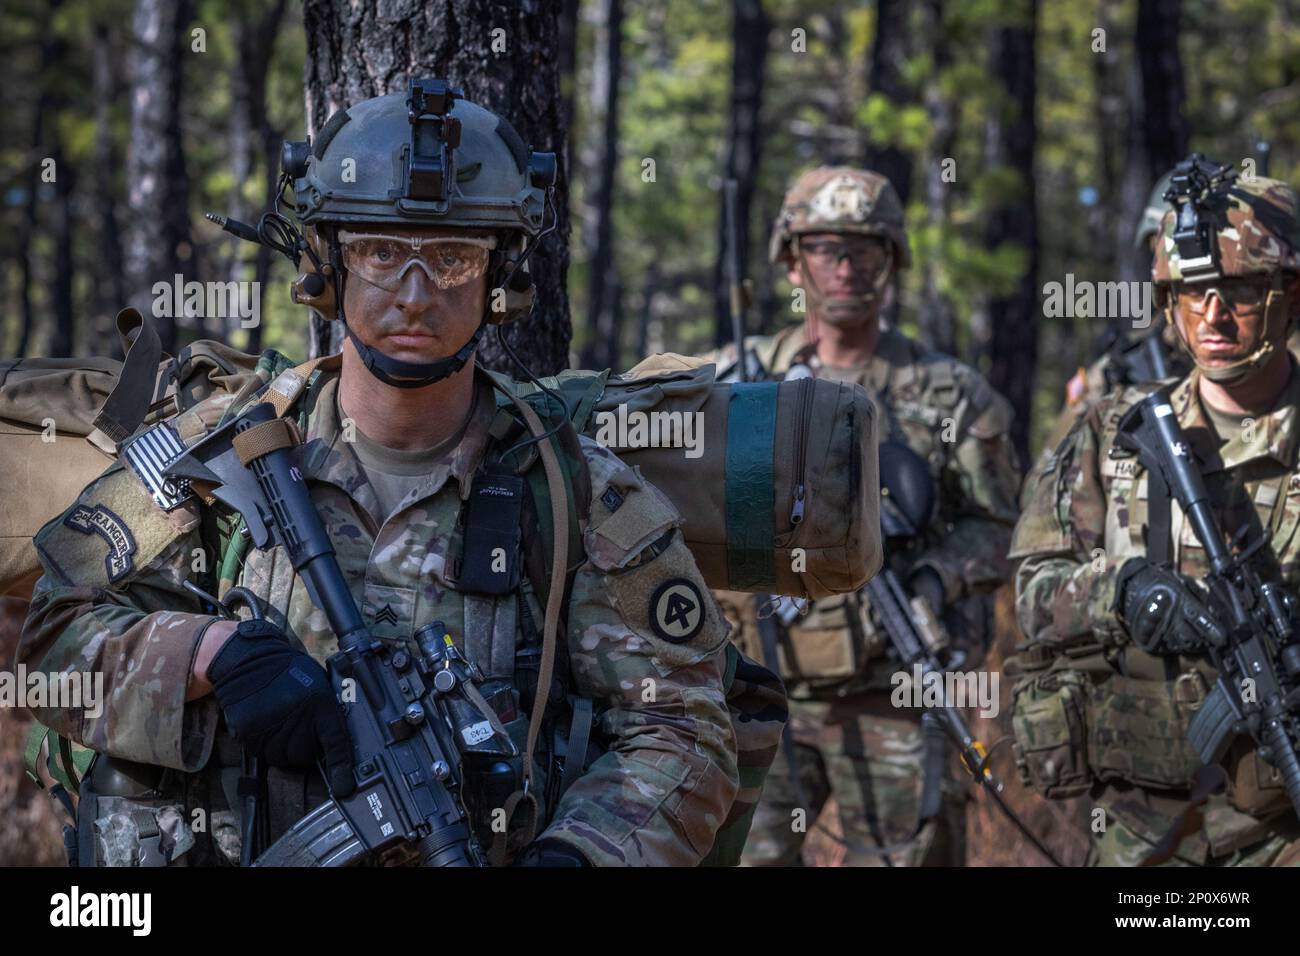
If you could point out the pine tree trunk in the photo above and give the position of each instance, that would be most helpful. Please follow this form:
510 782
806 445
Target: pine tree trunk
604 314
110 291
936 318
357 49
157 185
1164 95
888 57
253 144
749 31
61 344
1012 344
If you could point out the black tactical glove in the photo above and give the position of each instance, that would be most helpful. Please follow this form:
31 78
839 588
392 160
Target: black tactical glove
1162 612
550 853
279 704
925 582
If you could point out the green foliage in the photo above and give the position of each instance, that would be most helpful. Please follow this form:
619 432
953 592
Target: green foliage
1239 59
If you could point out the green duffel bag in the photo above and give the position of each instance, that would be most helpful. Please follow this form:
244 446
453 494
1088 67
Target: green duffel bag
777 483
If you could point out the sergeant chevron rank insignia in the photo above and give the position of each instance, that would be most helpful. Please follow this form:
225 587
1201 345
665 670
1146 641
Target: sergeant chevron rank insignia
102 521
677 610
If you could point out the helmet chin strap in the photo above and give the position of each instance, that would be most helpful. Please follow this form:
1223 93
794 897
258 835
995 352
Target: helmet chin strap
412 374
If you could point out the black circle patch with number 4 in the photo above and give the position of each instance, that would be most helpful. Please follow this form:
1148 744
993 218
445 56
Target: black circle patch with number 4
677 610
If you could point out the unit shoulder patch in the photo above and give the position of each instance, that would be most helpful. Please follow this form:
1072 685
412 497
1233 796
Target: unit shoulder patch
97 519
677 610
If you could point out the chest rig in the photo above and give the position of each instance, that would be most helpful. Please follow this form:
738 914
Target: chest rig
1253 498
512 594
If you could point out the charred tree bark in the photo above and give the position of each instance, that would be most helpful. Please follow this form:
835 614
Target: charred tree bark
749 31
365 48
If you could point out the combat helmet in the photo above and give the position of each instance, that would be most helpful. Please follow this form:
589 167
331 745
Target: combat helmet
1224 226
426 158
840 199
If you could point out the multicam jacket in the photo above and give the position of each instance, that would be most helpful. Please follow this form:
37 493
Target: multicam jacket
113 603
946 413
1086 513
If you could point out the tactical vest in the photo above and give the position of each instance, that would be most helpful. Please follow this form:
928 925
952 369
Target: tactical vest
1106 711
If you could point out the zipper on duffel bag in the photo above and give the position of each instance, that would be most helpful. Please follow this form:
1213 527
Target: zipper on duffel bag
805 403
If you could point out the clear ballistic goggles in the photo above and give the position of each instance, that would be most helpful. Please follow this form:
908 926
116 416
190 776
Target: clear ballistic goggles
865 253
384 260
1238 292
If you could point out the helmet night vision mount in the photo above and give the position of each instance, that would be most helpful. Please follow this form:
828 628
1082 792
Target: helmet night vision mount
1197 192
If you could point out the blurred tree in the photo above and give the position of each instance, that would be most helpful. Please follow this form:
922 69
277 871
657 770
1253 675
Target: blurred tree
356 50
42 119
604 306
1166 127
887 80
743 145
63 227
568 60
1012 343
110 290
158 234
254 142
936 321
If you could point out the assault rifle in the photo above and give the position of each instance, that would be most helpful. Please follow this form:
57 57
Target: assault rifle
909 624
1253 645
746 368
409 714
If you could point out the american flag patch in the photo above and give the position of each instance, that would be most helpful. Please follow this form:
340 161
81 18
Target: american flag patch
151 452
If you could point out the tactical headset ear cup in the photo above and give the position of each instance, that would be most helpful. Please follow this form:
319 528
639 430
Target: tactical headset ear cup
316 290
313 289
505 305
512 297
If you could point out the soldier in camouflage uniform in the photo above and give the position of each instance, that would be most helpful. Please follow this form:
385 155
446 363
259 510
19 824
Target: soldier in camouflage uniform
840 234
1095 712
392 442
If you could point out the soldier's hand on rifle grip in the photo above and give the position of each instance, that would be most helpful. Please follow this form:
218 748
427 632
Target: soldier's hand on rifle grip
1161 612
279 703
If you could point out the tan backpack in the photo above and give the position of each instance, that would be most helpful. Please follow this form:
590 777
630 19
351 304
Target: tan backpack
61 421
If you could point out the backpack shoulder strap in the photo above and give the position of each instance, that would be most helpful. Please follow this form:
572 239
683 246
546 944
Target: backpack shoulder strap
579 395
129 401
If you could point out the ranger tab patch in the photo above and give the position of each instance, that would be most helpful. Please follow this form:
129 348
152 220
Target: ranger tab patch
677 610
102 521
